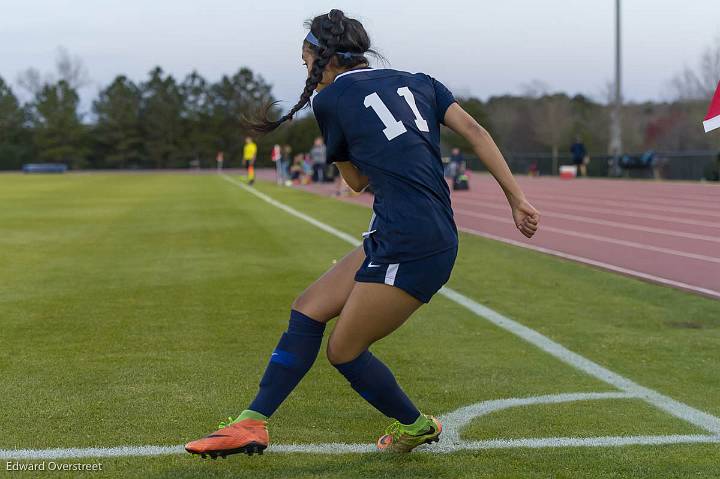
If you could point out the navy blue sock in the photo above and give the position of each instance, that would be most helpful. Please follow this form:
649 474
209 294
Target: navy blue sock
292 358
377 385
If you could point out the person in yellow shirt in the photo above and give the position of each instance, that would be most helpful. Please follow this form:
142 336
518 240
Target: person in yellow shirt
249 156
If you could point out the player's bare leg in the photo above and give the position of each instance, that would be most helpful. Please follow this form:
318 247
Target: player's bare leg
325 298
372 312
293 357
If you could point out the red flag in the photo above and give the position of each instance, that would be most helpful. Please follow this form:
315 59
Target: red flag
712 120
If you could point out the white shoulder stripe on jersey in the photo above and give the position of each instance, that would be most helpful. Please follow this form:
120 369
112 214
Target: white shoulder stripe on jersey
354 71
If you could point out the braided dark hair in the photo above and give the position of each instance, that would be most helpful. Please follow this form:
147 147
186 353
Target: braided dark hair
335 33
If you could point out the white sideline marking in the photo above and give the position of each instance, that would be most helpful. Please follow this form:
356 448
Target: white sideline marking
75 453
325 227
343 448
454 421
451 441
592 262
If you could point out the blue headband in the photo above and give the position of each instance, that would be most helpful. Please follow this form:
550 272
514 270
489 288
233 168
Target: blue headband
312 40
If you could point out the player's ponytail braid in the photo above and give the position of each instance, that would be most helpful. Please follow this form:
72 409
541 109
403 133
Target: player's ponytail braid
340 37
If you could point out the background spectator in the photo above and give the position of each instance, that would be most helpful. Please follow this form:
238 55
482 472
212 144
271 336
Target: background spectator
457 162
275 157
318 158
249 156
579 156
533 169
307 168
220 158
286 162
296 169
712 173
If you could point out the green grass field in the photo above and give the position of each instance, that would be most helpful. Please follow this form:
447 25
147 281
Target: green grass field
140 309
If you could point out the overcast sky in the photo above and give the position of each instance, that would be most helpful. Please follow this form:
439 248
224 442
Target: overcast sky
480 47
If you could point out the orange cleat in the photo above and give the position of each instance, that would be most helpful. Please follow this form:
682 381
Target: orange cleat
249 436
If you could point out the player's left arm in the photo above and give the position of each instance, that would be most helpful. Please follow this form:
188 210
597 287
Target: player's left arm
352 176
526 217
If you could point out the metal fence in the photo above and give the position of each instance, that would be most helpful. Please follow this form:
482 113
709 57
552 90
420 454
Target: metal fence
692 165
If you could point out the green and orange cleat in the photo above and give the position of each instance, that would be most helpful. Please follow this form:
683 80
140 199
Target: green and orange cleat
401 439
248 436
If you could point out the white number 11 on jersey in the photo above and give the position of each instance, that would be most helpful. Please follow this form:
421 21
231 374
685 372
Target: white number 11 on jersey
393 127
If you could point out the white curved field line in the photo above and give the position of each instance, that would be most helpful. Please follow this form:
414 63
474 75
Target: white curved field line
456 420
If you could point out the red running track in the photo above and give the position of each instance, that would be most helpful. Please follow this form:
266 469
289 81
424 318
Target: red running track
668 233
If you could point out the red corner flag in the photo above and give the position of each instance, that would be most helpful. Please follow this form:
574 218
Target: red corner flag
712 120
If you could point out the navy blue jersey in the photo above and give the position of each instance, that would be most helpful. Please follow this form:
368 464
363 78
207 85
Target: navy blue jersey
387 123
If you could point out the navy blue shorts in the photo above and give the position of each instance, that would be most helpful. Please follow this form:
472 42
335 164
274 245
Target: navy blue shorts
421 278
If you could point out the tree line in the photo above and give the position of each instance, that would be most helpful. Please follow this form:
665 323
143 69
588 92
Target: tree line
158 123
164 122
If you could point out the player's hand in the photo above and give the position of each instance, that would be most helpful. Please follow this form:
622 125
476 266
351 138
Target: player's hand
526 217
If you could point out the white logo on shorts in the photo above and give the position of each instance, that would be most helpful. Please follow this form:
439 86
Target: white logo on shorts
371 265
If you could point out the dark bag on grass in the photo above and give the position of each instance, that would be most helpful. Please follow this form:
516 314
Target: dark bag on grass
460 182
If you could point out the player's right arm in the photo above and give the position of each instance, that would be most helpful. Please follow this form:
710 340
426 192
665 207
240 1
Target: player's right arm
352 176
526 217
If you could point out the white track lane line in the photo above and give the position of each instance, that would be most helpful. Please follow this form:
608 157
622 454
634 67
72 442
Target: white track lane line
596 221
599 264
628 388
484 199
642 198
603 239
631 205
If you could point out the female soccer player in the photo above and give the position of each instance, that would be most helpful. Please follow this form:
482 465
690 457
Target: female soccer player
381 128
